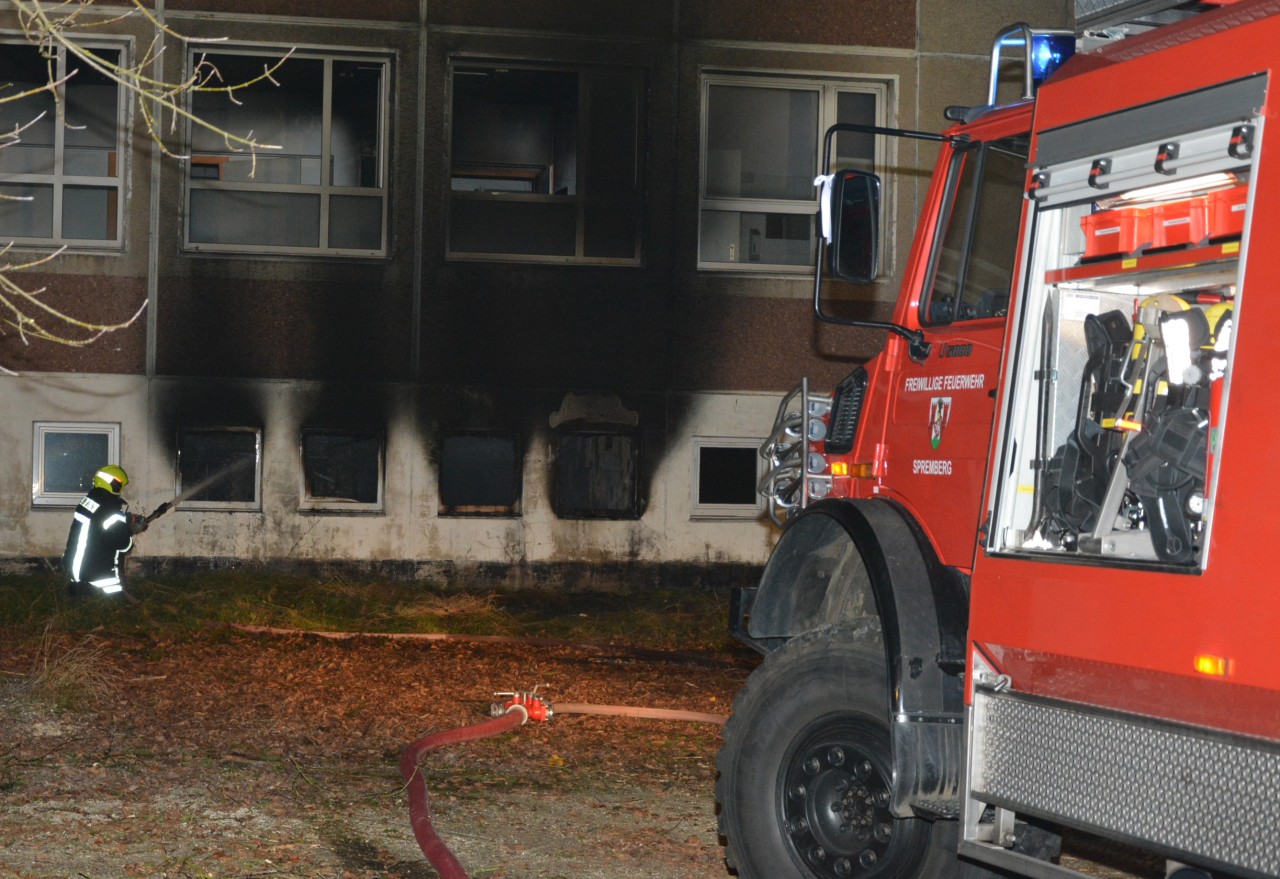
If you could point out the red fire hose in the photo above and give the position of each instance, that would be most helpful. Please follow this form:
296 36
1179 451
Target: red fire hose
519 708
516 711
429 841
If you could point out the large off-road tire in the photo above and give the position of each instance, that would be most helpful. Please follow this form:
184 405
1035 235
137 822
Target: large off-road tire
805 772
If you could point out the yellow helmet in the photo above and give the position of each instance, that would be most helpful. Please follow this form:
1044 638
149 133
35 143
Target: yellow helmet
1219 318
111 477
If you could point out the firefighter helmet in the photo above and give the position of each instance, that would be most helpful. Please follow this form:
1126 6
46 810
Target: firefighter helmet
112 478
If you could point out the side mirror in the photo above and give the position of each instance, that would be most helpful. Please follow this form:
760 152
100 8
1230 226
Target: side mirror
852 212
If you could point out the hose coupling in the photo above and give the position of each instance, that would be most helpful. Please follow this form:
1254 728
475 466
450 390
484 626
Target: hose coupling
535 706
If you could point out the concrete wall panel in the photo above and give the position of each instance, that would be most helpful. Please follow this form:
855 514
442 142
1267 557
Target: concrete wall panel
617 18
847 23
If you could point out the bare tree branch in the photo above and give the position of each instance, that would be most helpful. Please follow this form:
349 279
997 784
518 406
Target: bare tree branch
59 27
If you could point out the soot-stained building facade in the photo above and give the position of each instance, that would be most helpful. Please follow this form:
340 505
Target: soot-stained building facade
514 293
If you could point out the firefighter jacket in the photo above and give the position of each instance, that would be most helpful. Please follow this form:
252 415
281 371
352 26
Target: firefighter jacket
101 532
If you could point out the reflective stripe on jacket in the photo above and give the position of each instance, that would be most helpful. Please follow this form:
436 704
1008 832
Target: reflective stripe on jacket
99 536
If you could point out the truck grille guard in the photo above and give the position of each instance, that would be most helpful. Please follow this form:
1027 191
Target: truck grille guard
799 424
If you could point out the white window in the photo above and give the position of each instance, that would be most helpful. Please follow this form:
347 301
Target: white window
323 189
725 472
761 147
64 458
60 148
341 471
545 164
220 469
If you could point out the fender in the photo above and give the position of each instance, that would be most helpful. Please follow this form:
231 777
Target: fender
840 559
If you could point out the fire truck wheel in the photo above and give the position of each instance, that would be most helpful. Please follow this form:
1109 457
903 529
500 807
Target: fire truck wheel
804 773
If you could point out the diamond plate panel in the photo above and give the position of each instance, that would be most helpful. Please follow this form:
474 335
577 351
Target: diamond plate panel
1117 10
1190 791
1086 8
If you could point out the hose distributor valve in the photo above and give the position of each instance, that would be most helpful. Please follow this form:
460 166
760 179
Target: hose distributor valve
535 706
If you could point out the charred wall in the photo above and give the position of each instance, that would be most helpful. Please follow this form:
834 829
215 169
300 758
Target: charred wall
338 322
419 343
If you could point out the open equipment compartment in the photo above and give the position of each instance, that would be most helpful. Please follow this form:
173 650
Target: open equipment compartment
1117 383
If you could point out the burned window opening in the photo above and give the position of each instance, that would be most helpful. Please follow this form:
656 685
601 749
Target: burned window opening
480 475
545 164
220 468
597 476
342 471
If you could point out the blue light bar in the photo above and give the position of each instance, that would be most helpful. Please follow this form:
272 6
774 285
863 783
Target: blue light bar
1048 51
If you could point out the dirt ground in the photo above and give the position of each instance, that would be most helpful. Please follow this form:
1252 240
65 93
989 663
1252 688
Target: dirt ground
236 754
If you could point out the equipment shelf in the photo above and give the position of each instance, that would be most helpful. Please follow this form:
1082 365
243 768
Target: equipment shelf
1165 267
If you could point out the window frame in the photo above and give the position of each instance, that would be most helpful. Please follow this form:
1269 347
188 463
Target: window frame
829 88
326 189
59 180
254 506
583 197
312 503
40 429
700 510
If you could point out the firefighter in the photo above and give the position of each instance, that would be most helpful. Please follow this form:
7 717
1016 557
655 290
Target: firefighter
101 533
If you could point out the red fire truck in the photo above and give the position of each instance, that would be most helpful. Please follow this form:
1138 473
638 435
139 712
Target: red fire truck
978 641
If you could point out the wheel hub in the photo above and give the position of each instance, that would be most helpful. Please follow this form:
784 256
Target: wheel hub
835 811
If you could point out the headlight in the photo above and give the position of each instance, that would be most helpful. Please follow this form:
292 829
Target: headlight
817 430
816 463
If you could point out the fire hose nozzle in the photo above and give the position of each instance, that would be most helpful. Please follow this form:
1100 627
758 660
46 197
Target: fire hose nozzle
535 706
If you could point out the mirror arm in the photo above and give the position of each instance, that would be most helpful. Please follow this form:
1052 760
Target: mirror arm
917 347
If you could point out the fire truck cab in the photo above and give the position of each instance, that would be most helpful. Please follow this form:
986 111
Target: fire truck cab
843 754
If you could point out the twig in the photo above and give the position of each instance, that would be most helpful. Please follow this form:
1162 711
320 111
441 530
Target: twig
301 772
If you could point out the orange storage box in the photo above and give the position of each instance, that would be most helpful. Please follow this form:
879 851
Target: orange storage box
1176 223
1109 233
1226 211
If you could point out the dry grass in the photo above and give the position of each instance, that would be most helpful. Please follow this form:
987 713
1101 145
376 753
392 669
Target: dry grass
178 604
69 673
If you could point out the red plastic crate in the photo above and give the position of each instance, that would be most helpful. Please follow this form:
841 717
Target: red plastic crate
1176 223
1226 211
1122 230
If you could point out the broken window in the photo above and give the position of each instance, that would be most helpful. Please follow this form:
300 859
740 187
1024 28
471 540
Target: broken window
220 468
545 164
341 471
60 148
479 475
65 457
725 473
597 476
760 143
321 187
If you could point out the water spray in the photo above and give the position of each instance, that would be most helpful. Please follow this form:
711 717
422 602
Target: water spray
192 492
